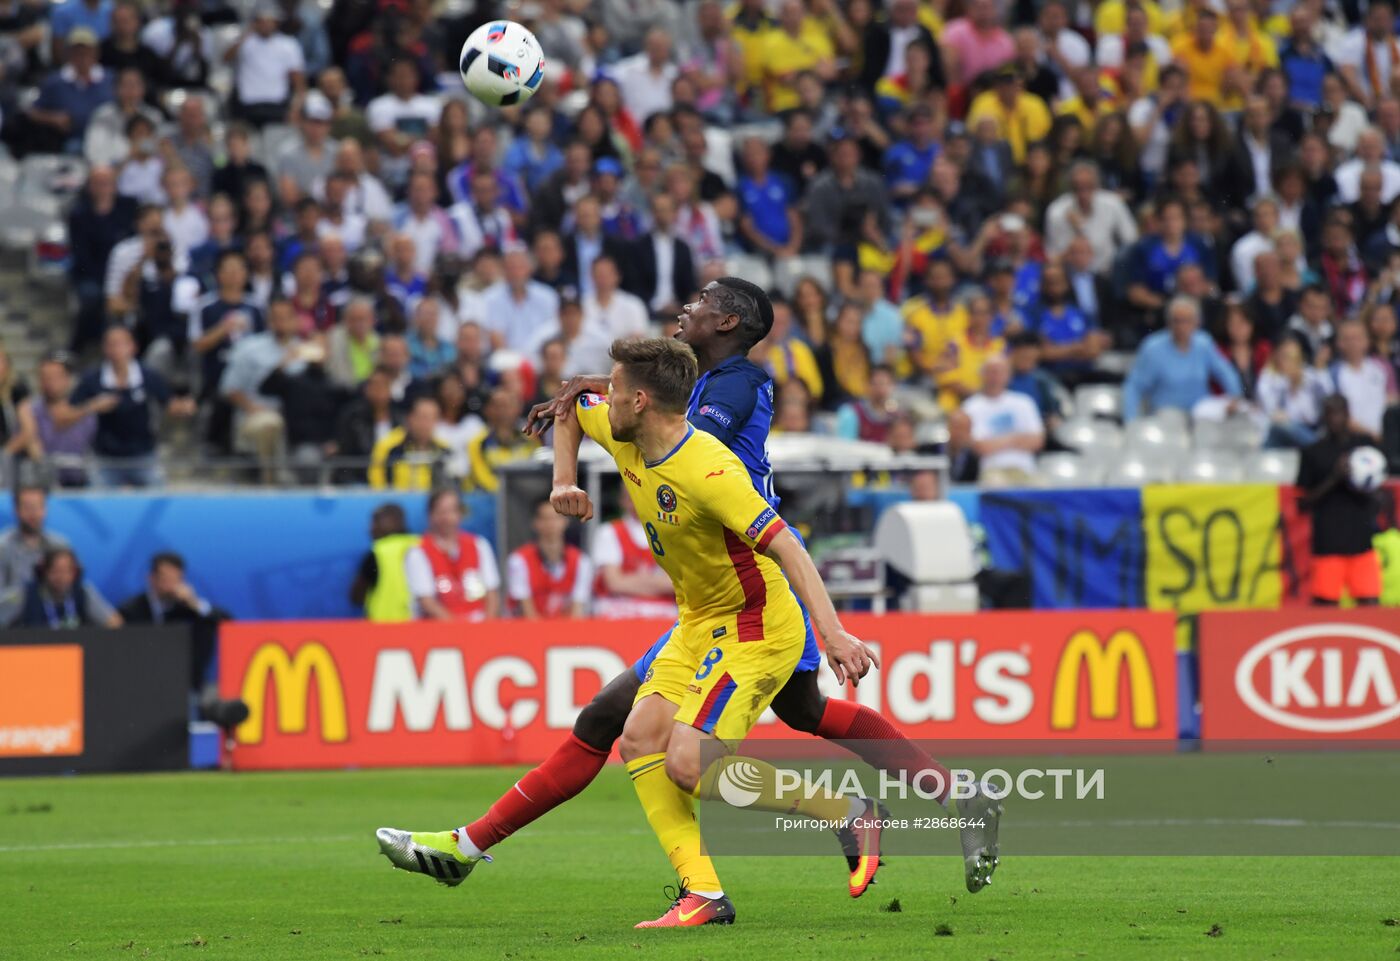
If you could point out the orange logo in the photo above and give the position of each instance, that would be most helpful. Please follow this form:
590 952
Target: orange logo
41 700
713 473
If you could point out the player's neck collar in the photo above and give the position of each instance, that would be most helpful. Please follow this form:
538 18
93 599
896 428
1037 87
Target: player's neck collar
689 430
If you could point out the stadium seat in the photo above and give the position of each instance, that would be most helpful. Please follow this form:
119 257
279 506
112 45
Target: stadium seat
930 544
1063 469
1272 467
1099 400
1172 417
1134 470
1211 467
1240 433
1157 433
752 268
1093 438
787 272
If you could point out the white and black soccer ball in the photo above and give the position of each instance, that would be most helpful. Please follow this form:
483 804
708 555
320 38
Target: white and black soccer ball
502 63
1366 468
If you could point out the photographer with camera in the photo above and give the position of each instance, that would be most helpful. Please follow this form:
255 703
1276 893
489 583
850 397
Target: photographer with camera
163 295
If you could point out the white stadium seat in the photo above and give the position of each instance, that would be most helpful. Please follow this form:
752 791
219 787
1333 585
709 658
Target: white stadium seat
1063 469
1093 438
1135 470
1099 400
1272 466
1211 467
1157 433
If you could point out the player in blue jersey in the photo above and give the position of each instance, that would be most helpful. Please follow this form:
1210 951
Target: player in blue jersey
732 400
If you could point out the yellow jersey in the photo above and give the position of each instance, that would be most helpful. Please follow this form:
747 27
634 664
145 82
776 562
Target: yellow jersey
932 329
793 358
1206 70
969 358
1111 17
785 56
706 525
395 465
1022 125
486 453
752 43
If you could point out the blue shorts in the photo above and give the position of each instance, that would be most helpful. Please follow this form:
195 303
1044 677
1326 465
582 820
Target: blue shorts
811 654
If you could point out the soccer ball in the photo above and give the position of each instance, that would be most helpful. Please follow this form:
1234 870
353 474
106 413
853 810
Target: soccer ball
502 63
1366 468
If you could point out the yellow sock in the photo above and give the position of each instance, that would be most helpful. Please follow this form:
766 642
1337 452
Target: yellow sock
671 813
751 776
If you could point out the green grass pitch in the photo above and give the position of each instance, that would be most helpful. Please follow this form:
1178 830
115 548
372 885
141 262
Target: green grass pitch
284 866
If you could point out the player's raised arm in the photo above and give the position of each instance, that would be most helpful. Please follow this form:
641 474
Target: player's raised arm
567 497
847 654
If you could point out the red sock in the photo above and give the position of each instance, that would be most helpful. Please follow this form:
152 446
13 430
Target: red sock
877 742
566 772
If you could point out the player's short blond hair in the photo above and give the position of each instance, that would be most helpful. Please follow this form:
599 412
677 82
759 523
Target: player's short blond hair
663 367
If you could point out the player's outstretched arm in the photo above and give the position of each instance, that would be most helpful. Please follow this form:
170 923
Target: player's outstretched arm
567 497
561 405
847 654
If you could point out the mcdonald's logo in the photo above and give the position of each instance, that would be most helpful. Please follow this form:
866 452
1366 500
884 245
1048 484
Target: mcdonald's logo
1104 664
291 680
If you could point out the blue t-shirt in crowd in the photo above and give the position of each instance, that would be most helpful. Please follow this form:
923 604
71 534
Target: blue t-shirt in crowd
405 290
1061 326
1026 289
768 203
908 164
71 14
1305 73
1157 266
62 93
1164 375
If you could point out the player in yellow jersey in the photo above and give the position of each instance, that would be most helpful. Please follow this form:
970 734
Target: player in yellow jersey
741 631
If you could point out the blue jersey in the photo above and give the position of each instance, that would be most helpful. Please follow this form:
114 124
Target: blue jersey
734 402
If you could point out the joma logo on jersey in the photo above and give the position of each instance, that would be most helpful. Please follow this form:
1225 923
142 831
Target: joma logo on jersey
760 522
627 473
666 498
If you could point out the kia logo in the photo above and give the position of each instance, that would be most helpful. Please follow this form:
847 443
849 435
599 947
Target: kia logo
1344 668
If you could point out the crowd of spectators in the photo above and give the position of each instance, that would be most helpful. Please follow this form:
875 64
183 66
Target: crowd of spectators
299 231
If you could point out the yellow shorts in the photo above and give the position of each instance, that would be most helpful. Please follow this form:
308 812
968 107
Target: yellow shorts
722 685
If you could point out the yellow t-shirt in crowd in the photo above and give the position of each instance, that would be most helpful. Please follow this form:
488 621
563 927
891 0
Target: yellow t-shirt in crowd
969 358
786 55
1111 17
1087 115
1021 126
752 46
932 329
793 358
1205 69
